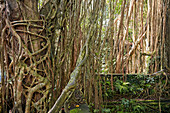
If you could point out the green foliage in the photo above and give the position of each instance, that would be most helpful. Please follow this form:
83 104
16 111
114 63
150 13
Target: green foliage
140 86
40 3
96 110
128 106
133 86
132 106
136 87
121 86
118 7
77 110
106 110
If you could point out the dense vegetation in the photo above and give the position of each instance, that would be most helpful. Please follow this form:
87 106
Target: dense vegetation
110 54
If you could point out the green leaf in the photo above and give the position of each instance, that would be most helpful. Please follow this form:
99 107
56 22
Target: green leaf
106 94
120 112
96 110
126 83
106 110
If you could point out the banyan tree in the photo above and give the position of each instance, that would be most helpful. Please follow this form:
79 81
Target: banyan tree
49 48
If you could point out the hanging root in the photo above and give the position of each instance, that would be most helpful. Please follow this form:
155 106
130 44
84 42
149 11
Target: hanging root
23 51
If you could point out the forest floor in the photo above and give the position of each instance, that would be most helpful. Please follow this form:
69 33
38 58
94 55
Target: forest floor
83 108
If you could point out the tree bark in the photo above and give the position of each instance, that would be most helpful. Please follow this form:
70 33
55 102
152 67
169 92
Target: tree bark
167 34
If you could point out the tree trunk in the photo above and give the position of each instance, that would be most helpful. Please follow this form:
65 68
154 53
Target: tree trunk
167 35
25 29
